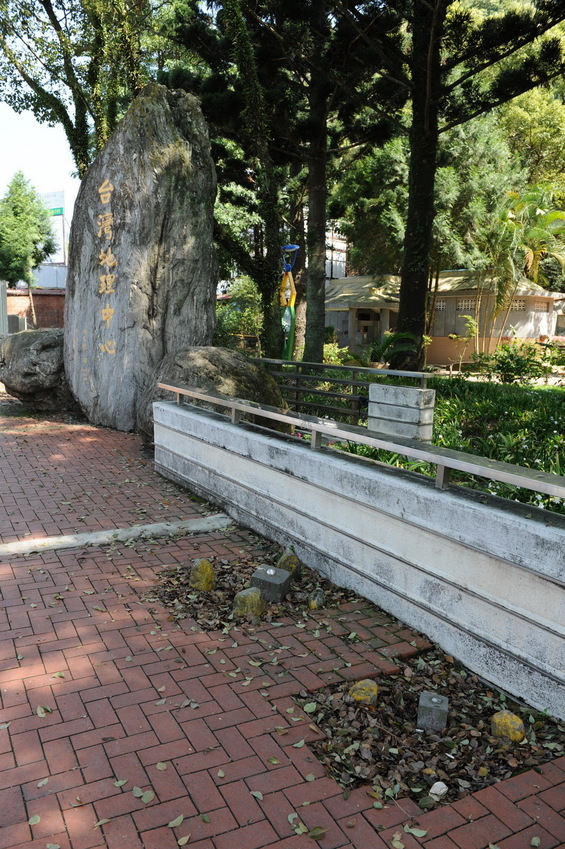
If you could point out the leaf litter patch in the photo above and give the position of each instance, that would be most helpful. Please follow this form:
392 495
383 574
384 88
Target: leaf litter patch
383 748
380 748
213 610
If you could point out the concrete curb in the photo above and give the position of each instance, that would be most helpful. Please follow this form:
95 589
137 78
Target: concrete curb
216 522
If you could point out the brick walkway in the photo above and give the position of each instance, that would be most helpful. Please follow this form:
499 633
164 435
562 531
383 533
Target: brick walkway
116 722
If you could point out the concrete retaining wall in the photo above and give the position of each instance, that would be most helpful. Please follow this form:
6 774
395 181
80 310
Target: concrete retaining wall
483 577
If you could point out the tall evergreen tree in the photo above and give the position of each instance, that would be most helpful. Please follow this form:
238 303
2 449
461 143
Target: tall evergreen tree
314 85
458 66
26 234
475 171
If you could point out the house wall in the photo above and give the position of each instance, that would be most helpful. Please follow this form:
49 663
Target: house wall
530 319
49 306
536 317
483 577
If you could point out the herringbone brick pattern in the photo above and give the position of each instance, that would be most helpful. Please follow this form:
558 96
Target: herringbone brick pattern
116 721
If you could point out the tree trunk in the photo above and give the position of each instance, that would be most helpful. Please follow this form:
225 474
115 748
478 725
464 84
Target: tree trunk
316 272
426 78
317 199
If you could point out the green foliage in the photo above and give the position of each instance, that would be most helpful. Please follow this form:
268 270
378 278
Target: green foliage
334 355
26 234
73 62
475 171
554 352
538 230
534 125
391 344
513 363
503 422
239 317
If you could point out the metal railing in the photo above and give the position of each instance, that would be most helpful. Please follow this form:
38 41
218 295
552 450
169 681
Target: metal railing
340 391
324 431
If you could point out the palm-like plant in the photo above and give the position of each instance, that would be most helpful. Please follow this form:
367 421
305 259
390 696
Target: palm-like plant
539 230
526 232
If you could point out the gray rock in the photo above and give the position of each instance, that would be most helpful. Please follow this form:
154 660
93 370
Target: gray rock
142 270
31 369
207 368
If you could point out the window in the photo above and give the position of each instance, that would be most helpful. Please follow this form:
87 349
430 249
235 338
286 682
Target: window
466 304
541 306
441 305
518 305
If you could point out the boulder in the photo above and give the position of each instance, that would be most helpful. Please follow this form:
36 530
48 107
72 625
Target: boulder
142 269
31 369
210 369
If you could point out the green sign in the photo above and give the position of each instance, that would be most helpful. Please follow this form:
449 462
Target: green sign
57 211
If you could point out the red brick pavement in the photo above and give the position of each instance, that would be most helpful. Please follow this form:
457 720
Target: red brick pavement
117 722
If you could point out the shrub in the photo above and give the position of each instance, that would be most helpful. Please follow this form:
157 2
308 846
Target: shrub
513 363
239 320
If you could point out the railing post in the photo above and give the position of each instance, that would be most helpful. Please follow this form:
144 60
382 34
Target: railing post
442 477
316 441
235 415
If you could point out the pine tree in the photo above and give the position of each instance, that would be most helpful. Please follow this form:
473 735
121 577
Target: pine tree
313 88
26 234
457 66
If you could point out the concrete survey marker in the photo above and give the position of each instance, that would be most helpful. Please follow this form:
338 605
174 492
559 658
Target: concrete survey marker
274 583
432 711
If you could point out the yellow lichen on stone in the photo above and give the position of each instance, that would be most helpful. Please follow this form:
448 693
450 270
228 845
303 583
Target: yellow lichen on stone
506 724
289 562
202 575
249 602
316 599
364 691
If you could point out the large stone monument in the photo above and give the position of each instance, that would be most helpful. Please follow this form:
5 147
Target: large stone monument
142 279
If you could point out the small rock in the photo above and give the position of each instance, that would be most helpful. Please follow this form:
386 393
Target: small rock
249 602
316 599
365 692
438 790
202 575
507 724
290 562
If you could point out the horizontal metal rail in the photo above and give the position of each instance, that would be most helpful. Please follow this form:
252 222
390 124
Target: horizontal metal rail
314 387
445 459
298 367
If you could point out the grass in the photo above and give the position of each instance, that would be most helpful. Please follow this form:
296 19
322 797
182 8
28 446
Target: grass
514 424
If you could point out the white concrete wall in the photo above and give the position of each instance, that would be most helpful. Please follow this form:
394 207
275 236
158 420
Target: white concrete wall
484 578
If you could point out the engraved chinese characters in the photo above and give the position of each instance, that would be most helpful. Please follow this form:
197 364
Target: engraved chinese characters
107 261
142 279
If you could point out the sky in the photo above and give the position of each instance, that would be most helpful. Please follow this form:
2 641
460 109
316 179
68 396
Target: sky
43 154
